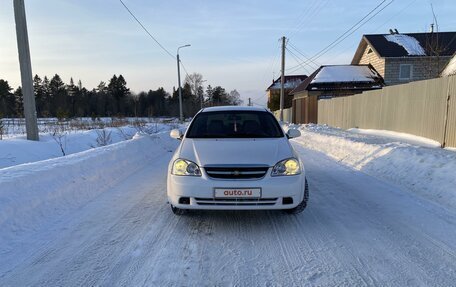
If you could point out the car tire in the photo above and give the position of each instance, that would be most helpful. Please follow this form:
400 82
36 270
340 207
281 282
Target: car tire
177 211
303 204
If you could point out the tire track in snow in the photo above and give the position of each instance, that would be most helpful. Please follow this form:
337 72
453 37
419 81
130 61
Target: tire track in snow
405 245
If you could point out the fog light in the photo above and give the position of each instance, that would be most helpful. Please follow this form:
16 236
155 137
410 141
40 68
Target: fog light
287 200
184 200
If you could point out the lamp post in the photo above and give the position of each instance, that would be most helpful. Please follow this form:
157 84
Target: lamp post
181 113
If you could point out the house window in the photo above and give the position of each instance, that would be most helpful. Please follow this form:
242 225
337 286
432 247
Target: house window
405 72
369 51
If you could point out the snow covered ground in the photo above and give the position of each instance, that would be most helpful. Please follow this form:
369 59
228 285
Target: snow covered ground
405 160
100 218
15 149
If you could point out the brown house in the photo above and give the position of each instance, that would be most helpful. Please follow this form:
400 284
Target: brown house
273 91
402 58
329 82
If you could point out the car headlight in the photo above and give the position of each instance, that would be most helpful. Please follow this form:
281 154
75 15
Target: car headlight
289 166
185 167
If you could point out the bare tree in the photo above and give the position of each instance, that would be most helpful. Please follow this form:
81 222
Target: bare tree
59 136
2 129
235 98
124 134
103 138
195 81
139 125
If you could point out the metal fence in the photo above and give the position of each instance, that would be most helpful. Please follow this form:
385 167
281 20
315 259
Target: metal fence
425 108
287 115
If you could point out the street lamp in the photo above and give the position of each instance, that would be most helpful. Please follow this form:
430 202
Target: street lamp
181 114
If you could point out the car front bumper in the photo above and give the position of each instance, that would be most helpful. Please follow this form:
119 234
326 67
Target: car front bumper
200 192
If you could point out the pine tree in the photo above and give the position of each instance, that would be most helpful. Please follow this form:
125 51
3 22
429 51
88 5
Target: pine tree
118 89
19 102
39 95
58 97
72 93
47 98
6 99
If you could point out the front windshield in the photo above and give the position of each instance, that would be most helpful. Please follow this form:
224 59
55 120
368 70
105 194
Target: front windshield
234 124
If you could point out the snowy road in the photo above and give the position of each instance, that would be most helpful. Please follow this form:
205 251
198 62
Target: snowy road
357 231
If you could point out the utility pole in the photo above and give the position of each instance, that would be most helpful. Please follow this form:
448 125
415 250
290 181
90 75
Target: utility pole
25 64
282 79
181 113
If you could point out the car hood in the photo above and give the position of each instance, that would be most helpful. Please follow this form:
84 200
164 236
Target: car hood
235 151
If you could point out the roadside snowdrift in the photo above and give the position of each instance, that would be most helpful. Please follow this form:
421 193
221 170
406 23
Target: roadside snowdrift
17 150
430 172
35 194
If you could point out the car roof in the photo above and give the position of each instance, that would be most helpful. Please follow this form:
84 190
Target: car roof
233 108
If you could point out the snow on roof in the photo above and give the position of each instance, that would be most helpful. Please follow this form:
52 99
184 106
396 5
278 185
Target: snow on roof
233 108
288 84
450 69
345 73
409 43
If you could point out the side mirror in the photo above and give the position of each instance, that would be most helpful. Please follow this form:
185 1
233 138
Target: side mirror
293 133
176 134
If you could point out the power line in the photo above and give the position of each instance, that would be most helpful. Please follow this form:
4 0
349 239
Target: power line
304 55
313 12
301 17
301 63
297 60
351 30
357 28
183 67
335 42
260 97
261 105
145 29
395 15
384 23
272 62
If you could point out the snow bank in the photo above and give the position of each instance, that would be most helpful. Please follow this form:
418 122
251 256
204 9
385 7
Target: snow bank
36 193
403 137
17 150
409 43
430 172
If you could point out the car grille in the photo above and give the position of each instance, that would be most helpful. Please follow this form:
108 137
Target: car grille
236 201
236 172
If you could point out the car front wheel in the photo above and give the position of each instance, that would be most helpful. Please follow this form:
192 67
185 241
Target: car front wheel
177 211
303 204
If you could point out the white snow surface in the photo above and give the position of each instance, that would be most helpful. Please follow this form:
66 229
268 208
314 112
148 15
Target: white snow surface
100 218
406 161
33 195
16 150
397 136
450 69
345 73
409 43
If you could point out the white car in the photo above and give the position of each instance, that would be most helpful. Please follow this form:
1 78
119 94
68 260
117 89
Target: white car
236 158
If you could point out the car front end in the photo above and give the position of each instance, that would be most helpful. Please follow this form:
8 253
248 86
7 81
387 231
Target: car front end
235 159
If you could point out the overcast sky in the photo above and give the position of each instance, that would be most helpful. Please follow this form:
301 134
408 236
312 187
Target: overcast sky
234 43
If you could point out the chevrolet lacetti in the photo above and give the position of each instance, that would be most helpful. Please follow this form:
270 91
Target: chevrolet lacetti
236 158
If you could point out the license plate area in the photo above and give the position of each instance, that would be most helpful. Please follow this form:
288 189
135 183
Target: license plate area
254 192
